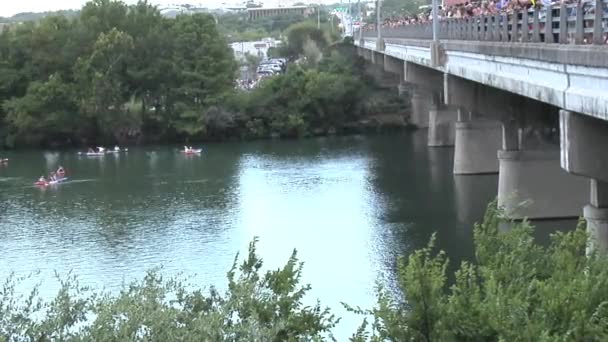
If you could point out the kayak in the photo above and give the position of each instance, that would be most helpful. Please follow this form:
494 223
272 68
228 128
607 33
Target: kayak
118 151
47 183
193 151
92 154
3 161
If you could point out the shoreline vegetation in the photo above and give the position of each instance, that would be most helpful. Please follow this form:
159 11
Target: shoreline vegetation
514 290
123 74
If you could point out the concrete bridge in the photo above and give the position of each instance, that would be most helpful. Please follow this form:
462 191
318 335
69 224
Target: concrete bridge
518 97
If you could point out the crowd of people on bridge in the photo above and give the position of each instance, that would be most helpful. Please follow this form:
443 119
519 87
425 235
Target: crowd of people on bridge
470 9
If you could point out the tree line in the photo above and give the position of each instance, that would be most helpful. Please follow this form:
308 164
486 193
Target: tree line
124 73
110 73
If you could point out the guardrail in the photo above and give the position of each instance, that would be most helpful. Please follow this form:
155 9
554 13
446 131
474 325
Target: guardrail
580 23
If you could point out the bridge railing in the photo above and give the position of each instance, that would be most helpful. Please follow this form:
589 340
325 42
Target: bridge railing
583 23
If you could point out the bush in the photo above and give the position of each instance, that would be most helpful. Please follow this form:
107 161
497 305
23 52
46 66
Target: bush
258 306
515 290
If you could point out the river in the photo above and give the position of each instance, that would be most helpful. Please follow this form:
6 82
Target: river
349 205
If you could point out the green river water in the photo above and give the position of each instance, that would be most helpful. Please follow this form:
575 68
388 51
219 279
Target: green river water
349 205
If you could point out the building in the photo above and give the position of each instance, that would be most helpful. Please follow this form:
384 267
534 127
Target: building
261 12
255 48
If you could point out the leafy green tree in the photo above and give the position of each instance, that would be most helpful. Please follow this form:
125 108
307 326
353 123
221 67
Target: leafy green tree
298 34
205 70
104 80
515 290
47 110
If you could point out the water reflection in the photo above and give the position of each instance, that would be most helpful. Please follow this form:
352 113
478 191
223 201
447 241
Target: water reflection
349 205
471 196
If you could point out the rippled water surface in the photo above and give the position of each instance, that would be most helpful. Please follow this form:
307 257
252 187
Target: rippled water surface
349 206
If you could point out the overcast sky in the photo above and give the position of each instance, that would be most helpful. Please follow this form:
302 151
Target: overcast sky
10 7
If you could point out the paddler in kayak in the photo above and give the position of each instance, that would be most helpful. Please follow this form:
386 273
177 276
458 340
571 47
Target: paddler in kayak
60 171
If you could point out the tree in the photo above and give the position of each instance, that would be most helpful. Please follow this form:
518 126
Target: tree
104 79
47 110
515 290
298 34
205 70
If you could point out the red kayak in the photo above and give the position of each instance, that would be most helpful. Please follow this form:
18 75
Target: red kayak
47 183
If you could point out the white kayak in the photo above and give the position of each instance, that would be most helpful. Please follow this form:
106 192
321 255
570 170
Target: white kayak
92 154
118 151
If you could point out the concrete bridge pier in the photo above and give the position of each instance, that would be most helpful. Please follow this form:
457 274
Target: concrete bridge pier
531 183
596 215
426 95
377 58
476 142
422 102
442 132
583 140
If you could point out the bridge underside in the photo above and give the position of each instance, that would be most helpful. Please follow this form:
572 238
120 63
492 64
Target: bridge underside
535 114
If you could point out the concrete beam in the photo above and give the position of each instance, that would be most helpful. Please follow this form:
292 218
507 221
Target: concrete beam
476 144
473 96
393 65
532 185
584 55
422 76
569 77
583 145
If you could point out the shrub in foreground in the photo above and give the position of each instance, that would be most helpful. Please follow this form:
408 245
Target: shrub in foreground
515 290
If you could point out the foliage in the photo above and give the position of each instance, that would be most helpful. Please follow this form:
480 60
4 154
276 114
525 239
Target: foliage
515 290
302 99
297 36
257 306
238 27
30 16
71 79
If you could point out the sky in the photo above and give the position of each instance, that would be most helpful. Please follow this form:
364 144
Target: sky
11 7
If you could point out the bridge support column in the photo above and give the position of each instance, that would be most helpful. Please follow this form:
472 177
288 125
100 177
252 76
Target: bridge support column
596 215
532 185
583 143
476 143
421 105
402 89
377 58
441 126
